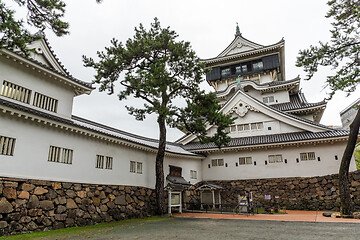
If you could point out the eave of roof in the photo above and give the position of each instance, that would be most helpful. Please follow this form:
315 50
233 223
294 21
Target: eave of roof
275 140
235 56
93 130
264 87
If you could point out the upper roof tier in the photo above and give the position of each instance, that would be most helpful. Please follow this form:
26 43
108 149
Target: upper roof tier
44 59
242 51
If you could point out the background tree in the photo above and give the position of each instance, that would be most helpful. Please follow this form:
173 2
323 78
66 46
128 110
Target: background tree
342 54
160 70
41 14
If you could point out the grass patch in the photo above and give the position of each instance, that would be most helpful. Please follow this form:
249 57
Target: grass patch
80 230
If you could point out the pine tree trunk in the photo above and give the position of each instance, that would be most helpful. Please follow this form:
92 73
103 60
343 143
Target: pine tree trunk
159 168
344 183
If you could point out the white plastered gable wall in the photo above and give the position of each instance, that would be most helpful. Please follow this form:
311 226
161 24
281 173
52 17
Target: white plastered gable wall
239 45
258 111
43 54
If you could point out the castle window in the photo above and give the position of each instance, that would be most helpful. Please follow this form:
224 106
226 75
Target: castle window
60 155
15 92
307 156
109 163
269 99
7 145
245 160
275 158
45 102
258 66
245 68
225 72
99 161
132 166
136 167
139 167
217 162
193 174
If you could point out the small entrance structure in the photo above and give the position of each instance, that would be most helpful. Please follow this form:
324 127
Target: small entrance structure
210 194
175 186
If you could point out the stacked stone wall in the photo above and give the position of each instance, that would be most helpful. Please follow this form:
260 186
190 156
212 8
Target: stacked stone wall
311 193
33 205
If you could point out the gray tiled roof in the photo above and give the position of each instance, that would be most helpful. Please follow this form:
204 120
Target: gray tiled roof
270 139
99 128
297 101
177 180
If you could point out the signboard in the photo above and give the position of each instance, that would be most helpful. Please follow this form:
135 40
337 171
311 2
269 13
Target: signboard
175 199
267 197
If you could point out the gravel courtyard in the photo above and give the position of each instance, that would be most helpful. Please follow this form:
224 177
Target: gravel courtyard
189 228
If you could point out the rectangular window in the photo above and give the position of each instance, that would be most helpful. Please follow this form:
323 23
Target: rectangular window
258 66
99 161
275 158
193 174
136 167
244 68
245 160
233 128
139 167
259 126
269 99
109 162
15 92
246 127
225 72
7 145
60 155
307 156
240 127
132 166
217 162
238 70
45 102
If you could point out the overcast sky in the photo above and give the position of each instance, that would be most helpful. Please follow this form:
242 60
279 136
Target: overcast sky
209 26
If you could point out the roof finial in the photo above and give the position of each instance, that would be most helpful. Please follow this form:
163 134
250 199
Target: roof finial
238 33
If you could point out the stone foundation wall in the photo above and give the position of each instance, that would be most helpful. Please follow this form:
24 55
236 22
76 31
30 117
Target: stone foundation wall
312 193
33 205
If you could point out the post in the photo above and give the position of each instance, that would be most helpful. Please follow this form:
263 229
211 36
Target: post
201 200
180 208
213 196
219 199
169 202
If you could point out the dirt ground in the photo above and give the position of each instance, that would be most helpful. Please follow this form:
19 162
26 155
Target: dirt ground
190 228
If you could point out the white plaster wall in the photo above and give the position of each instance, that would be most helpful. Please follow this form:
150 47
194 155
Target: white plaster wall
186 164
326 165
279 97
30 158
253 117
265 78
36 82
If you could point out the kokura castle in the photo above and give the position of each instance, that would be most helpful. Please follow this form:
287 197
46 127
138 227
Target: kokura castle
276 134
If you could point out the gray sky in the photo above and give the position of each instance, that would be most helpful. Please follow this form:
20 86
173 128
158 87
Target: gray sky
209 26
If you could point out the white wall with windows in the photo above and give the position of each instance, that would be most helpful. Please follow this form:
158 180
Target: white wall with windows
302 161
41 151
60 95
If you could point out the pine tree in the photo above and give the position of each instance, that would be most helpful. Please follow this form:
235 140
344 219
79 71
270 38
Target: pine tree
161 71
342 54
